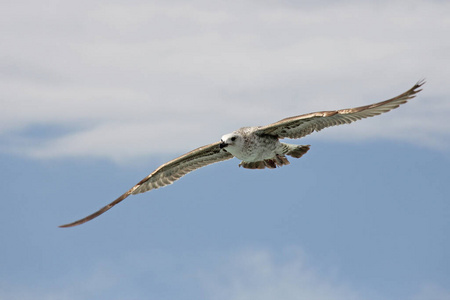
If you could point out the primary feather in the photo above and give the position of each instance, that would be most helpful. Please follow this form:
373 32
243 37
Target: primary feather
258 147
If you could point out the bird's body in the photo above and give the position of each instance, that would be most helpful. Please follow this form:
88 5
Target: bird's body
245 145
257 150
257 147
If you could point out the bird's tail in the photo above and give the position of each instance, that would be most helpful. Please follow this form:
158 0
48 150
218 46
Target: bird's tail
278 160
296 151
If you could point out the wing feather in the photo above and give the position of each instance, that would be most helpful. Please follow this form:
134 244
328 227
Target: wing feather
300 126
293 127
166 174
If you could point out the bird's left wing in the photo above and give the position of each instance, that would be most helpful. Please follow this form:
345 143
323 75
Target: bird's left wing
300 126
167 174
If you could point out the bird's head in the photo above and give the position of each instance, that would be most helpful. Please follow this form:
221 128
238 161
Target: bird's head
231 141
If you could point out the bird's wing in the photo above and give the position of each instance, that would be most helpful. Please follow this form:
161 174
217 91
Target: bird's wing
300 126
167 174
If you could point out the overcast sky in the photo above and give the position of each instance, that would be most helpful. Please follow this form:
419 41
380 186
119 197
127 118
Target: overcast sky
94 95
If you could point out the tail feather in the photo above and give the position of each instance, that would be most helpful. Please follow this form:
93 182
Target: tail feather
297 151
278 160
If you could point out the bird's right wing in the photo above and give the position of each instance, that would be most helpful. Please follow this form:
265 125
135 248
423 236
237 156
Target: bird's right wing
300 126
167 174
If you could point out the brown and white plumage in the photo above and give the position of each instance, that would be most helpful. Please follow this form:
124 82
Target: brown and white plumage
167 173
300 126
258 147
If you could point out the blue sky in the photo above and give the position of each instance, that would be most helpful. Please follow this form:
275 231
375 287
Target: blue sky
96 95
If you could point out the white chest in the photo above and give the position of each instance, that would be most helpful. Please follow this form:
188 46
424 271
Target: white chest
256 148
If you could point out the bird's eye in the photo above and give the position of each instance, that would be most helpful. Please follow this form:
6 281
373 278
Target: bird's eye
233 138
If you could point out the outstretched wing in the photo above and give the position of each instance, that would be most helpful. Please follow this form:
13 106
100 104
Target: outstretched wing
167 174
300 126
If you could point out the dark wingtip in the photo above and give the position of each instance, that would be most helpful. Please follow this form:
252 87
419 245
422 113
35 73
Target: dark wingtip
88 218
100 211
419 84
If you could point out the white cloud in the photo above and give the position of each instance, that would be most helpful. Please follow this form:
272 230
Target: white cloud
259 274
116 71
243 275
255 274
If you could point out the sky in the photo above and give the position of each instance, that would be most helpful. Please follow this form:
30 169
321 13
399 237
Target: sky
95 95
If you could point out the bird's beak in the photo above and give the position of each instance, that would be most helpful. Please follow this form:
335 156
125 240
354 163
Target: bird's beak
222 144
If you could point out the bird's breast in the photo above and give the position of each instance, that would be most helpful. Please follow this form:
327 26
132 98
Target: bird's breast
257 148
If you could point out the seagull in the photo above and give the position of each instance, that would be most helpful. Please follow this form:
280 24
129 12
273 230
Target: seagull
257 147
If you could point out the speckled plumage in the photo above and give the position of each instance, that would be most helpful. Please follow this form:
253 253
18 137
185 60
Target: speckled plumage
256 147
258 150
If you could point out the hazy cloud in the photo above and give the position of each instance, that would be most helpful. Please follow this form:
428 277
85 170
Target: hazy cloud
255 274
123 75
246 274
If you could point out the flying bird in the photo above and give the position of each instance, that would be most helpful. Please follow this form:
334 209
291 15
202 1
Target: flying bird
257 147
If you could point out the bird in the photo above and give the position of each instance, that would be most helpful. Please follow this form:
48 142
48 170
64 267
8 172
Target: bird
257 147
